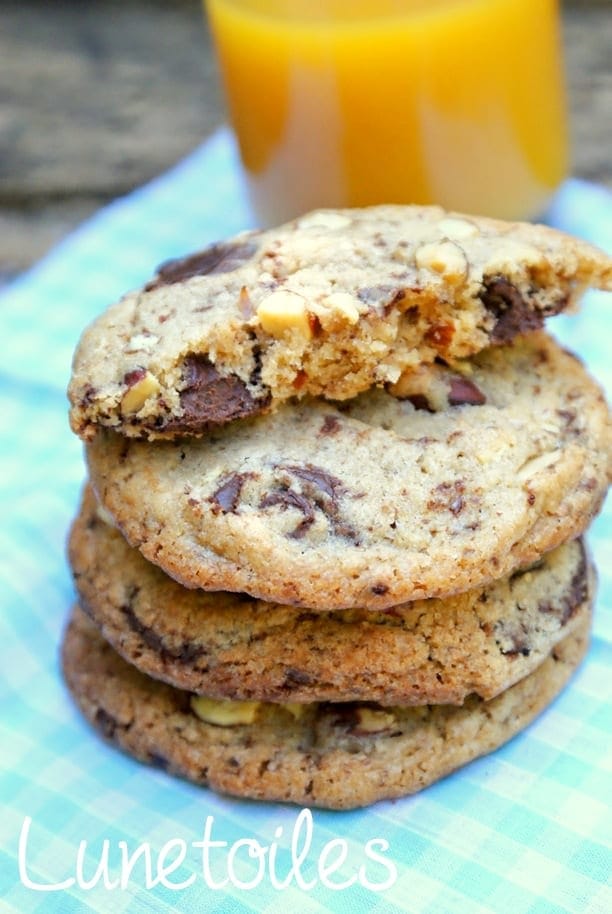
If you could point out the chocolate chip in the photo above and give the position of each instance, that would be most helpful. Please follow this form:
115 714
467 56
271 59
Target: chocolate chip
89 394
158 761
518 645
297 677
319 490
574 597
221 257
225 498
209 398
420 401
320 478
379 589
183 653
290 499
342 713
133 377
331 425
464 392
448 496
106 723
514 314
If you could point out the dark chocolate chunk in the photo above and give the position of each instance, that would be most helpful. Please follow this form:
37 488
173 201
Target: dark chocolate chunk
255 376
132 377
297 677
184 653
225 498
513 313
208 398
290 499
448 496
106 723
518 645
379 589
420 401
574 597
464 392
221 257
323 480
331 425
319 491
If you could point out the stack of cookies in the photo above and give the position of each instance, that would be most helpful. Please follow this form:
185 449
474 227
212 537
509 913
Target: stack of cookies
331 545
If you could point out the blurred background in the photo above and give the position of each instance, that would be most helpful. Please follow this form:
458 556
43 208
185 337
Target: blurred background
99 96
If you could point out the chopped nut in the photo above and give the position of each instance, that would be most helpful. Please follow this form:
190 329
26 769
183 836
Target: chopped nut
224 713
324 219
141 342
457 228
283 311
370 720
343 304
445 257
537 464
294 708
105 516
424 386
245 304
138 393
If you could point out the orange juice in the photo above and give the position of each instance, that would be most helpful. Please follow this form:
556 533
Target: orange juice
353 102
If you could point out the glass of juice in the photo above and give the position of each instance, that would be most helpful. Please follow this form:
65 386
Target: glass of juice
356 102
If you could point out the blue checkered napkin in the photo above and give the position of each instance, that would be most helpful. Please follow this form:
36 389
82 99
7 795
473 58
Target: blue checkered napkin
524 831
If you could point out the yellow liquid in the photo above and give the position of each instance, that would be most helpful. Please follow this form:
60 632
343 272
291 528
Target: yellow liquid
458 102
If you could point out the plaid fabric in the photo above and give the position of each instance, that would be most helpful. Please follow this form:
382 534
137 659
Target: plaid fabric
525 830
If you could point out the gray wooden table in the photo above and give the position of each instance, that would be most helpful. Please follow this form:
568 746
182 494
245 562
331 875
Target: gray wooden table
98 96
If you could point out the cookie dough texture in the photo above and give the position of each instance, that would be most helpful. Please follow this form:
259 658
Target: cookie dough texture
327 305
325 757
378 500
231 646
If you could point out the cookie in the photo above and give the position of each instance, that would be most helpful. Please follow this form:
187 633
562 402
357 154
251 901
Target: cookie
231 646
378 501
338 756
327 305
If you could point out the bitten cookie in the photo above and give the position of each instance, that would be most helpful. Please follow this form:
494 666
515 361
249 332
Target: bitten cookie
457 480
337 756
231 646
329 304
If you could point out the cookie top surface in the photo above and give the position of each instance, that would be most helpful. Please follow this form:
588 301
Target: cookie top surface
327 305
231 646
374 502
338 756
